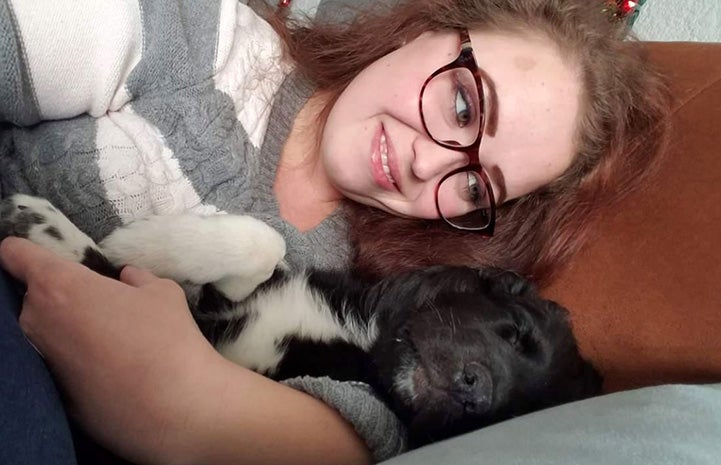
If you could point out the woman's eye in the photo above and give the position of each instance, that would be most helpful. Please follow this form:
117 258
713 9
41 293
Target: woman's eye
462 107
473 190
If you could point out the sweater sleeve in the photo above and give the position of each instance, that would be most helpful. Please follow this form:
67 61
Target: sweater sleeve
63 58
374 422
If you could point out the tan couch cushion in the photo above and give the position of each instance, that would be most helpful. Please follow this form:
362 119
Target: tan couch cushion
646 294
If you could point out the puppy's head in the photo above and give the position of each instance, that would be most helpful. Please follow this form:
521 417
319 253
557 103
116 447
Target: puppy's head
462 348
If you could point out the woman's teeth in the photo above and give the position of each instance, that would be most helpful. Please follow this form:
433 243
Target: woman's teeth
384 159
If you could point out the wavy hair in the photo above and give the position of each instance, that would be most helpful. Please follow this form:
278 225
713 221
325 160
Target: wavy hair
622 130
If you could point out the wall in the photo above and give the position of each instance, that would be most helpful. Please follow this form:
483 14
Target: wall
680 20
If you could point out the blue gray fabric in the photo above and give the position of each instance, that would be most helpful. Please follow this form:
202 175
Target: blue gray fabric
385 435
179 48
328 10
664 425
16 94
58 160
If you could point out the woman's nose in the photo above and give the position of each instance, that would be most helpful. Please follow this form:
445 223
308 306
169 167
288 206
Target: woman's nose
431 160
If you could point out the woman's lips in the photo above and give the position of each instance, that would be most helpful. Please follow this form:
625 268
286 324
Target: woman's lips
383 162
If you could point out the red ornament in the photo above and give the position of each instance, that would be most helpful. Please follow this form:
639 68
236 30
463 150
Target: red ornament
628 6
622 10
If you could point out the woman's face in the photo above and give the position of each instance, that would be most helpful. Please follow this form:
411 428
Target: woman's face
531 108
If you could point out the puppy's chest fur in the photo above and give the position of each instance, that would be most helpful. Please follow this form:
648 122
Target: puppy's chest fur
294 324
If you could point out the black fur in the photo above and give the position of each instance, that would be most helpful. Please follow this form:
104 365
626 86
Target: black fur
337 359
485 348
482 346
52 231
21 222
97 262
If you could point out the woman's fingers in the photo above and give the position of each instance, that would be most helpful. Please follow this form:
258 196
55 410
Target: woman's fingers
21 258
137 277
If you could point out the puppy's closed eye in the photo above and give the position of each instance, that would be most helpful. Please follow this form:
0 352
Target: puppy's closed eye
521 339
510 333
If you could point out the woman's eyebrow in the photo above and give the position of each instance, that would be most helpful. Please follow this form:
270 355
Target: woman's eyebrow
490 112
496 176
490 101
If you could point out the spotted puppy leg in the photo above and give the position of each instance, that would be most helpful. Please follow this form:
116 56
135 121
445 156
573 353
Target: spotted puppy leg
36 219
235 253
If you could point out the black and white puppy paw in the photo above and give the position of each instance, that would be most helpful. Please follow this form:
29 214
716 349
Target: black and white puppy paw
36 219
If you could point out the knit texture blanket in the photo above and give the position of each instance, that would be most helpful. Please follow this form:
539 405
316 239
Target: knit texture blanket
117 110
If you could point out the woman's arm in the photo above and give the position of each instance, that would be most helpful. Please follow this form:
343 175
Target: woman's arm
141 378
280 424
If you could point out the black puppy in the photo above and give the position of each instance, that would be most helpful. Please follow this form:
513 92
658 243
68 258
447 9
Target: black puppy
450 349
454 348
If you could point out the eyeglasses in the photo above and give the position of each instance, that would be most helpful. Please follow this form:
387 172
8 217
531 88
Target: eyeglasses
451 106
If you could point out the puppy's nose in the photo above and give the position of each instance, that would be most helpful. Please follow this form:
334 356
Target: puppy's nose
472 388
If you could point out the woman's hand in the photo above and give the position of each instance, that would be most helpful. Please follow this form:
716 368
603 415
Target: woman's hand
120 350
142 379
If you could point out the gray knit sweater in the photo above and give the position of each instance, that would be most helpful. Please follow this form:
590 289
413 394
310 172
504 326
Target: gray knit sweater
116 111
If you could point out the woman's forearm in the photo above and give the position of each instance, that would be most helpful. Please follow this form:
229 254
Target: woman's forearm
238 416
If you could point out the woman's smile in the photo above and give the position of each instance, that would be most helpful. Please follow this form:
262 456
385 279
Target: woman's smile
383 162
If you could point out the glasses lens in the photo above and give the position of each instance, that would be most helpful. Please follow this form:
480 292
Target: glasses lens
452 108
464 200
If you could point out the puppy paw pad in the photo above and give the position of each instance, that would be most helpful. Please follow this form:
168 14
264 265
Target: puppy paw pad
36 219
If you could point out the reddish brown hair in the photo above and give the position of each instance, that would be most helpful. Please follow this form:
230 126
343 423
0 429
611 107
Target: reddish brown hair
622 129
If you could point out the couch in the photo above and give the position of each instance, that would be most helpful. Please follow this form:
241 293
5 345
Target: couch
645 300
645 294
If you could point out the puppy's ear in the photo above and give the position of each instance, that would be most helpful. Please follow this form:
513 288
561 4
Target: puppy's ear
553 308
508 282
588 380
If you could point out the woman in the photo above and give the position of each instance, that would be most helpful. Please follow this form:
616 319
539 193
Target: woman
501 158
618 130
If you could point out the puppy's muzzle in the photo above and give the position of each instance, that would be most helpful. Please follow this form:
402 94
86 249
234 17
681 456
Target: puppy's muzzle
473 388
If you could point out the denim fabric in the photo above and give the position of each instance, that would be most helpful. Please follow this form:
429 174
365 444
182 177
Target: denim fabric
33 425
